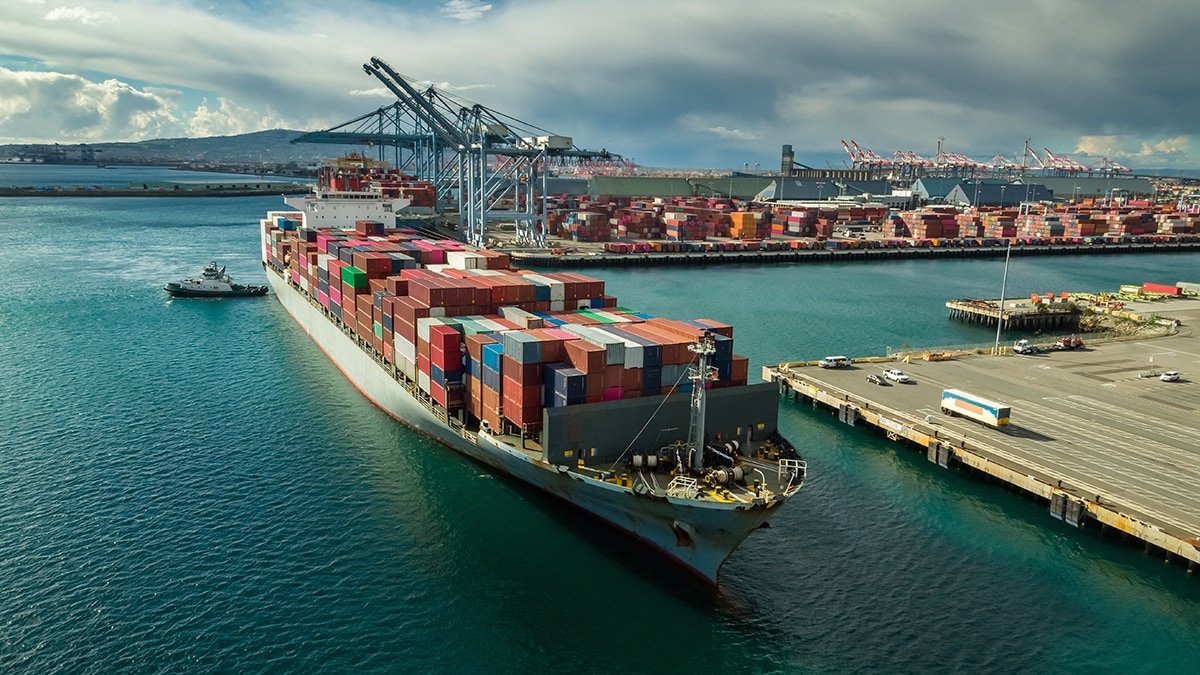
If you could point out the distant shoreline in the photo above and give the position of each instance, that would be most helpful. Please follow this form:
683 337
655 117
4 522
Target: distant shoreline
283 188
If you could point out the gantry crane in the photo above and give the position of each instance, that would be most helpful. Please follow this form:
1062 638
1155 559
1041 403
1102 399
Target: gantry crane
496 157
482 157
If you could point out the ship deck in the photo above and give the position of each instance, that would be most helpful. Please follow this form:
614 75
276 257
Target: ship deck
767 473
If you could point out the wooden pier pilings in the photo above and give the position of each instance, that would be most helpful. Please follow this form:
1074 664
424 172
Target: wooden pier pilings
1018 315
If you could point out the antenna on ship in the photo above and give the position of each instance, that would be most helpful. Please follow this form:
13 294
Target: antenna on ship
699 374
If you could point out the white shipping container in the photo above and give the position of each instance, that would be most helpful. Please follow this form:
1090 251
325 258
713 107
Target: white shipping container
558 290
407 366
465 260
405 348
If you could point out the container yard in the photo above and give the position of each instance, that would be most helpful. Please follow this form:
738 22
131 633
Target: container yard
610 230
1103 436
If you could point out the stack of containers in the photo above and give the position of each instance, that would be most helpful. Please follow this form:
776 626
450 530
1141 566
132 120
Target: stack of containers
749 225
969 224
637 223
522 373
610 381
1000 224
590 359
512 368
565 385
923 224
679 226
491 397
896 226
587 226
446 366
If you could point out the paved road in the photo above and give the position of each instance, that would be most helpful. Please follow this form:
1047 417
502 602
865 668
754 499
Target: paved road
1083 416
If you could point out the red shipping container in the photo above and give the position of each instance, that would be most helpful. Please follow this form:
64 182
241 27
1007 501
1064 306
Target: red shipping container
522 394
585 356
523 373
445 339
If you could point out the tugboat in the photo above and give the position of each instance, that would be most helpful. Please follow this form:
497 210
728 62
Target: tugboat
213 283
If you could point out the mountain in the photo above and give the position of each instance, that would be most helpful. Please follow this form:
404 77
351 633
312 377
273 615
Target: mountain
262 147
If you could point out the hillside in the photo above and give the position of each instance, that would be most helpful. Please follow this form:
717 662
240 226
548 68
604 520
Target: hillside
264 147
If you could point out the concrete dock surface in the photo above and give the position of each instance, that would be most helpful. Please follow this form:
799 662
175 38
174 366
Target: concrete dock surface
1095 427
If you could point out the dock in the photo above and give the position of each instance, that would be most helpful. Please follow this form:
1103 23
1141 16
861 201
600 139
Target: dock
598 258
1095 434
1018 314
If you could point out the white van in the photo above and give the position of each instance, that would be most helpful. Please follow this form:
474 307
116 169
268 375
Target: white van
834 362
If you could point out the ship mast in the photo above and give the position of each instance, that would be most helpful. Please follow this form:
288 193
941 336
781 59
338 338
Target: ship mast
699 374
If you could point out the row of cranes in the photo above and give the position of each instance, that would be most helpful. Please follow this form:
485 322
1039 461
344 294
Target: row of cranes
908 164
494 165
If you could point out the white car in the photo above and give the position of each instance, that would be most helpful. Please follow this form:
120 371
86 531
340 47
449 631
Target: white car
896 375
1170 376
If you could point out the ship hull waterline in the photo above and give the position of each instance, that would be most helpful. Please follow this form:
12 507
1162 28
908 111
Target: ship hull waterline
713 531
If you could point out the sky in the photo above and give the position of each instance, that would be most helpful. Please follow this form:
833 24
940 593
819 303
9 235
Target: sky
690 83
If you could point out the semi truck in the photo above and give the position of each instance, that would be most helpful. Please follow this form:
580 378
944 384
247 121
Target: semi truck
989 413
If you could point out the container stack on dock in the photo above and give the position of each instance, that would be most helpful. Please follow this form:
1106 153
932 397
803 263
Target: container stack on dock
482 339
680 226
749 225
586 226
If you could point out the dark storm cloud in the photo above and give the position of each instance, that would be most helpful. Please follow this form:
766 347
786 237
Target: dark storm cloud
702 82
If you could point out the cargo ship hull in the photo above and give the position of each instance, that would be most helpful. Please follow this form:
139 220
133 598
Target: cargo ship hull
700 537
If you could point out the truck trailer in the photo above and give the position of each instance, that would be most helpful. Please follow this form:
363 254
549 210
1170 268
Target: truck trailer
990 413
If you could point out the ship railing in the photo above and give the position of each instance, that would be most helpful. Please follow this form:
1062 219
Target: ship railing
684 487
440 413
791 474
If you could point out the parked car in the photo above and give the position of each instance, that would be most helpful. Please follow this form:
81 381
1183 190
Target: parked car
1025 347
834 362
896 375
875 379
1170 376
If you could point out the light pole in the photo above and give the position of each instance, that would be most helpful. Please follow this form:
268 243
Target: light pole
820 190
1002 187
1003 289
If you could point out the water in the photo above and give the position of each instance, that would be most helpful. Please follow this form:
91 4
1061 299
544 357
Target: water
192 486
83 176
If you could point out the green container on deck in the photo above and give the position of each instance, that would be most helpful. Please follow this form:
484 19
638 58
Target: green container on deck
378 328
355 277
594 317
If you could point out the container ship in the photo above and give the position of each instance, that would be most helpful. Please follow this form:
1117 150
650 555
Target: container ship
648 423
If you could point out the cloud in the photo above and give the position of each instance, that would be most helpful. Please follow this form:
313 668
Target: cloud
81 14
56 107
230 119
465 10
1159 153
695 123
693 86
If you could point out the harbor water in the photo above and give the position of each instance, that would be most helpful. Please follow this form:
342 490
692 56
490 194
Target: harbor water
191 486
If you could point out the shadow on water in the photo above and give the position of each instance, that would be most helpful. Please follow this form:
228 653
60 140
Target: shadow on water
614 544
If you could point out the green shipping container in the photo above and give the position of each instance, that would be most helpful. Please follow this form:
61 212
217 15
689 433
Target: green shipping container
355 277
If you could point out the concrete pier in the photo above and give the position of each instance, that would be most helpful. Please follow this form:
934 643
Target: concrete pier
1096 435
